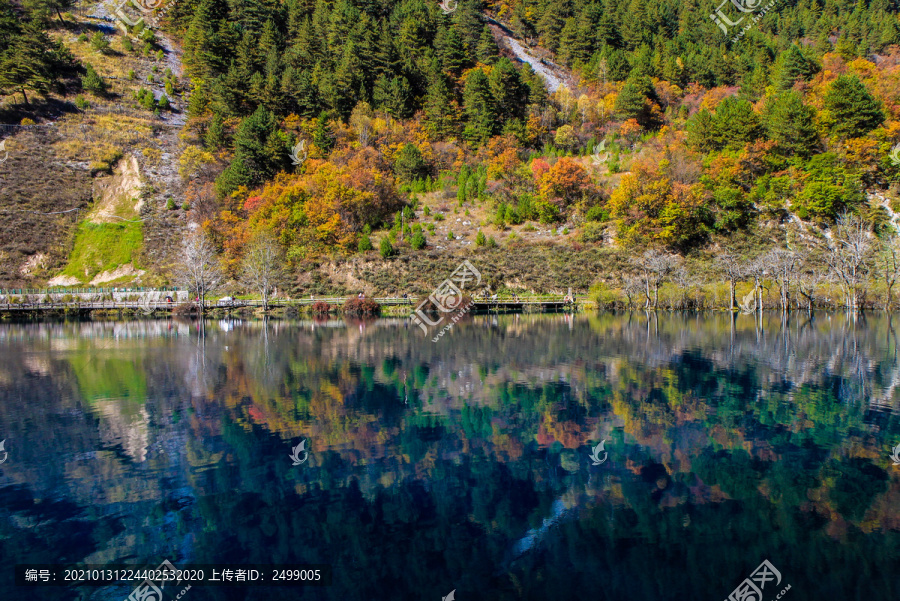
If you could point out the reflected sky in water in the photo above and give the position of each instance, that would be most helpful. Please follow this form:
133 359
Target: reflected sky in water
462 464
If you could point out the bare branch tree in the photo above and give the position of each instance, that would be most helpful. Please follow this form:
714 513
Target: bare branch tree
198 270
887 263
782 264
261 268
757 269
632 286
732 267
849 253
685 280
809 278
655 267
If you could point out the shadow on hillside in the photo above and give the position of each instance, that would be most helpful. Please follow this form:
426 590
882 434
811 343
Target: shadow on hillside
38 110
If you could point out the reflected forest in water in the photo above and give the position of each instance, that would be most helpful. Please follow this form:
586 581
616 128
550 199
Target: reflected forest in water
463 464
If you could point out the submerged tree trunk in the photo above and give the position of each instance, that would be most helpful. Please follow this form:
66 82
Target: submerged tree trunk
733 298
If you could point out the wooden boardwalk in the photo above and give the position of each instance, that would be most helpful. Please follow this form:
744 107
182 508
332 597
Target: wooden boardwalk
148 307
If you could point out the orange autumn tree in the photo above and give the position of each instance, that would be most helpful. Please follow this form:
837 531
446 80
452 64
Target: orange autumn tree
568 185
321 209
651 208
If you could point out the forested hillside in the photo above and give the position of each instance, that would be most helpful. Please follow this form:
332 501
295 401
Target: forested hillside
341 127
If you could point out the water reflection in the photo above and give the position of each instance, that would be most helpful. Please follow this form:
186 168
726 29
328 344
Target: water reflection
462 464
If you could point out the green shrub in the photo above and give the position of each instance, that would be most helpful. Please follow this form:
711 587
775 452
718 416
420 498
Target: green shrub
186 206
450 236
592 231
83 38
439 217
99 42
427 210
170 204
547 212
365 243
385 248
410 165
606 297
92 82
480 240
127 45
81 102
131 75
145 99
597 213
491 243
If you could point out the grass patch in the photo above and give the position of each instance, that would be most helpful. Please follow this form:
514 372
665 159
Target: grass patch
103 246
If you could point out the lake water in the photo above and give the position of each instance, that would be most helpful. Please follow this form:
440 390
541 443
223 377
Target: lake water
463 465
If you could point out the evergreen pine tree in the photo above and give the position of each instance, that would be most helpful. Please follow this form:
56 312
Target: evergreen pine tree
790 124
215 134
479 108
440 116
452 52
850 110
509 93
735 123
323 138
633 101
487 51
795 66
92 82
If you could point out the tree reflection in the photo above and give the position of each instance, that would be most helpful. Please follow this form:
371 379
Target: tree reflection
464 464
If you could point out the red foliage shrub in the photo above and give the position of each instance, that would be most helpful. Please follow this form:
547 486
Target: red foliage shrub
321 308
361 306
252 203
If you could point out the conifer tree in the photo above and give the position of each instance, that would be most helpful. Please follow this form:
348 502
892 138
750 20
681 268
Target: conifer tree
440 116
795 66
479 108
735 123
790 124
850 110
633 101
487 50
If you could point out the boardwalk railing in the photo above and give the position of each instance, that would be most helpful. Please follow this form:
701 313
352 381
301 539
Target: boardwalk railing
162 305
